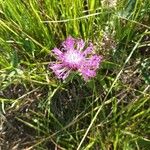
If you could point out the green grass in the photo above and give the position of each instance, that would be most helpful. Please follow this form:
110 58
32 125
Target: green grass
41 112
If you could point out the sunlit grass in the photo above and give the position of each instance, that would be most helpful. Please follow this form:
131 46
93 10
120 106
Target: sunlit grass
109 112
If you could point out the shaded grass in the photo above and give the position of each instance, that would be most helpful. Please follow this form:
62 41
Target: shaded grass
109 112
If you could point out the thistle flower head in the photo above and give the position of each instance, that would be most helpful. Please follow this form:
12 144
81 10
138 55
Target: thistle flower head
75 57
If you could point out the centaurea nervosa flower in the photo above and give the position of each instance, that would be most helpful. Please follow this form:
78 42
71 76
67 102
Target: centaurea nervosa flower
73 57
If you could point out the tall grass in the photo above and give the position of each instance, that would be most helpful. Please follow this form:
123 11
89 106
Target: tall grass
109 112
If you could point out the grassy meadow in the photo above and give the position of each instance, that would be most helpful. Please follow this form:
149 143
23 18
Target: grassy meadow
39 111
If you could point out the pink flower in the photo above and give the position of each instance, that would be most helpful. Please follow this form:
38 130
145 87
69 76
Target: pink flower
73 57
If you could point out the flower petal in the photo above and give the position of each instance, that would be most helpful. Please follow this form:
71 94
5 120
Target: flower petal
93 62
60 71
80 44
69 43
88 50
55 66
58 53
87 73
